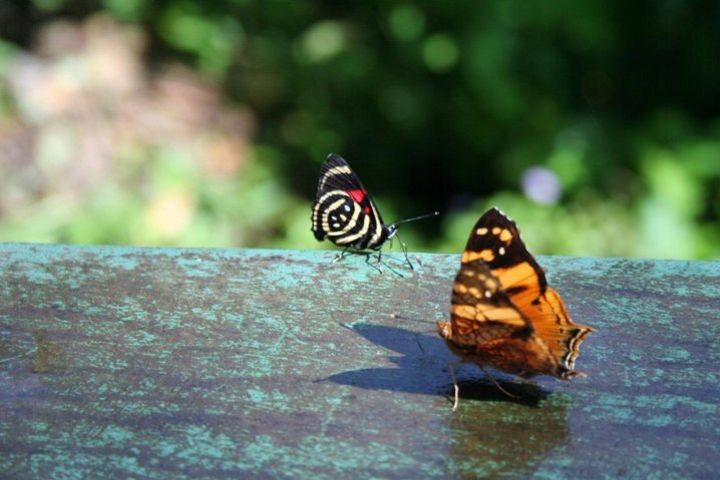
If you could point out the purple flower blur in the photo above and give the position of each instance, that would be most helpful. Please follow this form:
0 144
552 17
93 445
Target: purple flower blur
541 185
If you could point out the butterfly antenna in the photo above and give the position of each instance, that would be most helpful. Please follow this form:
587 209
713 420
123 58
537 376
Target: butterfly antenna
427 215
395 316
402 244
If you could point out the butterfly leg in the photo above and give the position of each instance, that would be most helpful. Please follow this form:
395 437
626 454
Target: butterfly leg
389 267
367 260
379 262
405 252
341 255
451 369
497 384
407 260
404 249
418 261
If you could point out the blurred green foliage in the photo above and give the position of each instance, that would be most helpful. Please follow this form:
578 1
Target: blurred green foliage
595 125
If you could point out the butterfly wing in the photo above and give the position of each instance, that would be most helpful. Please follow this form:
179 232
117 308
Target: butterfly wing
344 212
496 241
487 328
480 308
336 174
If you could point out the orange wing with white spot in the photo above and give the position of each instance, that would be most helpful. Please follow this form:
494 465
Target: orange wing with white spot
496 241
481 309
488 329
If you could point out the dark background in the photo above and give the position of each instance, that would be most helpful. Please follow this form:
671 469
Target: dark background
596 125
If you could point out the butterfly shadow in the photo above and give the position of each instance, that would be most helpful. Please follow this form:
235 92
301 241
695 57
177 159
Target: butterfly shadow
422 368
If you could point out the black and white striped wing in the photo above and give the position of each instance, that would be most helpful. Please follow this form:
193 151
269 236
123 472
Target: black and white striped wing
343 211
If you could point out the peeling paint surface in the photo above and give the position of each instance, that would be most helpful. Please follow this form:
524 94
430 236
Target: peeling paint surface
192 363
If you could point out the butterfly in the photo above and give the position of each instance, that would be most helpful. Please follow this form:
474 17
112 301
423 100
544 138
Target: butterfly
345 214
503 312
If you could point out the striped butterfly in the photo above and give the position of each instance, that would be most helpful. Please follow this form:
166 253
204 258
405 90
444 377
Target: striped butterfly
503 313
345 214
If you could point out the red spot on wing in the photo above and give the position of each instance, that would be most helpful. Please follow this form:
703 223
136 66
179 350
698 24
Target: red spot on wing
357 195
366 210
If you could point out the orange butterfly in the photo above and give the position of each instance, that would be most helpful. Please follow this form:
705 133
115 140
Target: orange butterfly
503 312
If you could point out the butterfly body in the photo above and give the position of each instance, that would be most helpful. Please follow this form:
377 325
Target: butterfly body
344 212
503 313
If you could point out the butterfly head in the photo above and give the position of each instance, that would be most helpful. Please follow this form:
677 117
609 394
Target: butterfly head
445 329
390 231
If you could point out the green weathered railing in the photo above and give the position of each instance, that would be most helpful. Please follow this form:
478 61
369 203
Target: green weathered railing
134 362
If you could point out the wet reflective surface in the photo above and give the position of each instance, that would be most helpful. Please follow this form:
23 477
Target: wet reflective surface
155 362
